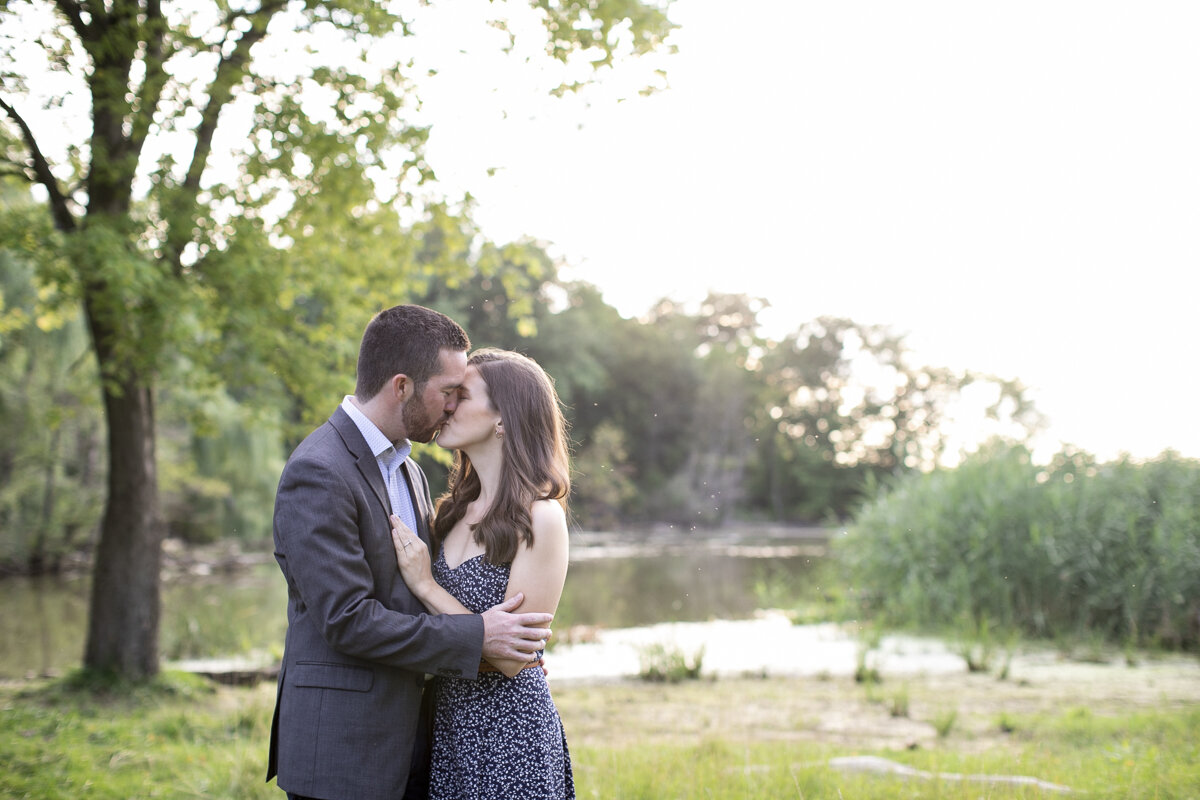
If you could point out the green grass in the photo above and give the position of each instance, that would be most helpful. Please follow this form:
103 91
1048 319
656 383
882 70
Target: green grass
722 739
1146 755
176 738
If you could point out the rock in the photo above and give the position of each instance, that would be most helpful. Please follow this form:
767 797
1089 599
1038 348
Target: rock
876 765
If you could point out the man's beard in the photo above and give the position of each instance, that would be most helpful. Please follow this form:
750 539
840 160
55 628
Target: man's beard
418 424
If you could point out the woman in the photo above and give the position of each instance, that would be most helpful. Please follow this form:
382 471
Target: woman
500 529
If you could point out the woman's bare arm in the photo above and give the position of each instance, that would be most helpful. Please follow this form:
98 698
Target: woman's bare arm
539 572
511 634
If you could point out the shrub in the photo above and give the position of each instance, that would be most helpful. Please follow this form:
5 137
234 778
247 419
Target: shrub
660 663
1070 549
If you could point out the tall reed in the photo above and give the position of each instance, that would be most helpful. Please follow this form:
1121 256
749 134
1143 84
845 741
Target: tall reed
1072 549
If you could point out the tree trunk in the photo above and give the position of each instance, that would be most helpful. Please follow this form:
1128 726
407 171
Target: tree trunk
123 625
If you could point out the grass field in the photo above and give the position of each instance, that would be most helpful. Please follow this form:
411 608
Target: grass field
1103 730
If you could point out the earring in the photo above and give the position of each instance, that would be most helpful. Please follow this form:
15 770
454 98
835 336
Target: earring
499 433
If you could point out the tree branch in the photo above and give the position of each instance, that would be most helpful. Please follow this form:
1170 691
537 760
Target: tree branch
156 74
63 219
229 71
72 11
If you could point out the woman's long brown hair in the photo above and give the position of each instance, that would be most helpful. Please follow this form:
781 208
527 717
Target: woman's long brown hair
535 456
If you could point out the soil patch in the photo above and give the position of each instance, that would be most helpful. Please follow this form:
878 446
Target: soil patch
976 710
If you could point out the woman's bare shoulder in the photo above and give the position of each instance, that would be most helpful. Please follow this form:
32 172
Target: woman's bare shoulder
547 512
549 521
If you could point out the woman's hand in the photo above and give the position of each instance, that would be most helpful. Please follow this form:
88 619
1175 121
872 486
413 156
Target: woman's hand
412 556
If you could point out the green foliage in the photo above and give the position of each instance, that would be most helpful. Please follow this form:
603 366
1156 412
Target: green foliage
660 663
719 422
841 404
253 269
865 671
98 736
221 464
311 221
653 383
943 721
898 705
1126 543
241 266
999 544
237 282
812 596
51 448
595 28
603 478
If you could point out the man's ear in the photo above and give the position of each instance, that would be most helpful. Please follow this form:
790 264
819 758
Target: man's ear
401 386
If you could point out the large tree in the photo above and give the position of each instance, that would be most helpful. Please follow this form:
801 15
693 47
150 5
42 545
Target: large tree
232 194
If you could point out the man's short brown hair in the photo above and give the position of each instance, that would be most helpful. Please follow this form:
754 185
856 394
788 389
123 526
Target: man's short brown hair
405 339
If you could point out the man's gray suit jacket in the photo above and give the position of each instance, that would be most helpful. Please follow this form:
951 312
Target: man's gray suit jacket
358 643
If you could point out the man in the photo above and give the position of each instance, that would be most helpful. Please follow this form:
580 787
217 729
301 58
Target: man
358 643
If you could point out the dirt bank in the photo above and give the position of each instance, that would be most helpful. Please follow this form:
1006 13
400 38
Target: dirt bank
902 711
766 678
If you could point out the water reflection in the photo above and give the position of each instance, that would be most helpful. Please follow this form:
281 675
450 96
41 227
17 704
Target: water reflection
684 586
615 581
40 629
44 624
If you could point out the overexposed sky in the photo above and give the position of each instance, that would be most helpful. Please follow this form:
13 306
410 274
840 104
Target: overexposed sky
1014 185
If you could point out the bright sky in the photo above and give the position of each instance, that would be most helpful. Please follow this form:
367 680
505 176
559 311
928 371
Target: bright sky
1014 185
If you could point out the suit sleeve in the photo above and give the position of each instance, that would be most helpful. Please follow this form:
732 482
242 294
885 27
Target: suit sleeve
320 548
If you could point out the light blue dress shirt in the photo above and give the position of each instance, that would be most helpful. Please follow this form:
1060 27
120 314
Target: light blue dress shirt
389 457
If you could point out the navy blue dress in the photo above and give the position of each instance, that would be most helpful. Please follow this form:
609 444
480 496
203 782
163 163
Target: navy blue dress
494 738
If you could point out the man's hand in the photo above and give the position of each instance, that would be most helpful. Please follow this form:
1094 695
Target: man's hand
514 637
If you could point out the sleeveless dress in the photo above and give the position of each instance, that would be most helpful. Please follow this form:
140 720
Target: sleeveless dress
494 738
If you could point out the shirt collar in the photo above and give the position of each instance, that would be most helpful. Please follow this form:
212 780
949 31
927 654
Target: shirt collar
378 443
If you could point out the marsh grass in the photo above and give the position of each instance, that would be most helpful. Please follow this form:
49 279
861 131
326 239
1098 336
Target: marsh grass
898 702
816 595
1001 547
726 740
668 663
943 721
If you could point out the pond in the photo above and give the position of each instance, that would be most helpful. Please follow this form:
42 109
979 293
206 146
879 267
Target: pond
615 581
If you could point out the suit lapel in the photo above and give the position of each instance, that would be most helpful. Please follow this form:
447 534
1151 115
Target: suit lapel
368 465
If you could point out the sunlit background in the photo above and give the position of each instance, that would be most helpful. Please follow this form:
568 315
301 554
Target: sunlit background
1014 186
1010 186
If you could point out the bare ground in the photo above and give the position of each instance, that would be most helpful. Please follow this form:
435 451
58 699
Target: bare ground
897 713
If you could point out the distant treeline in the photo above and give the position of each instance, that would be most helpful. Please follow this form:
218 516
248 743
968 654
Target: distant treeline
688 415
